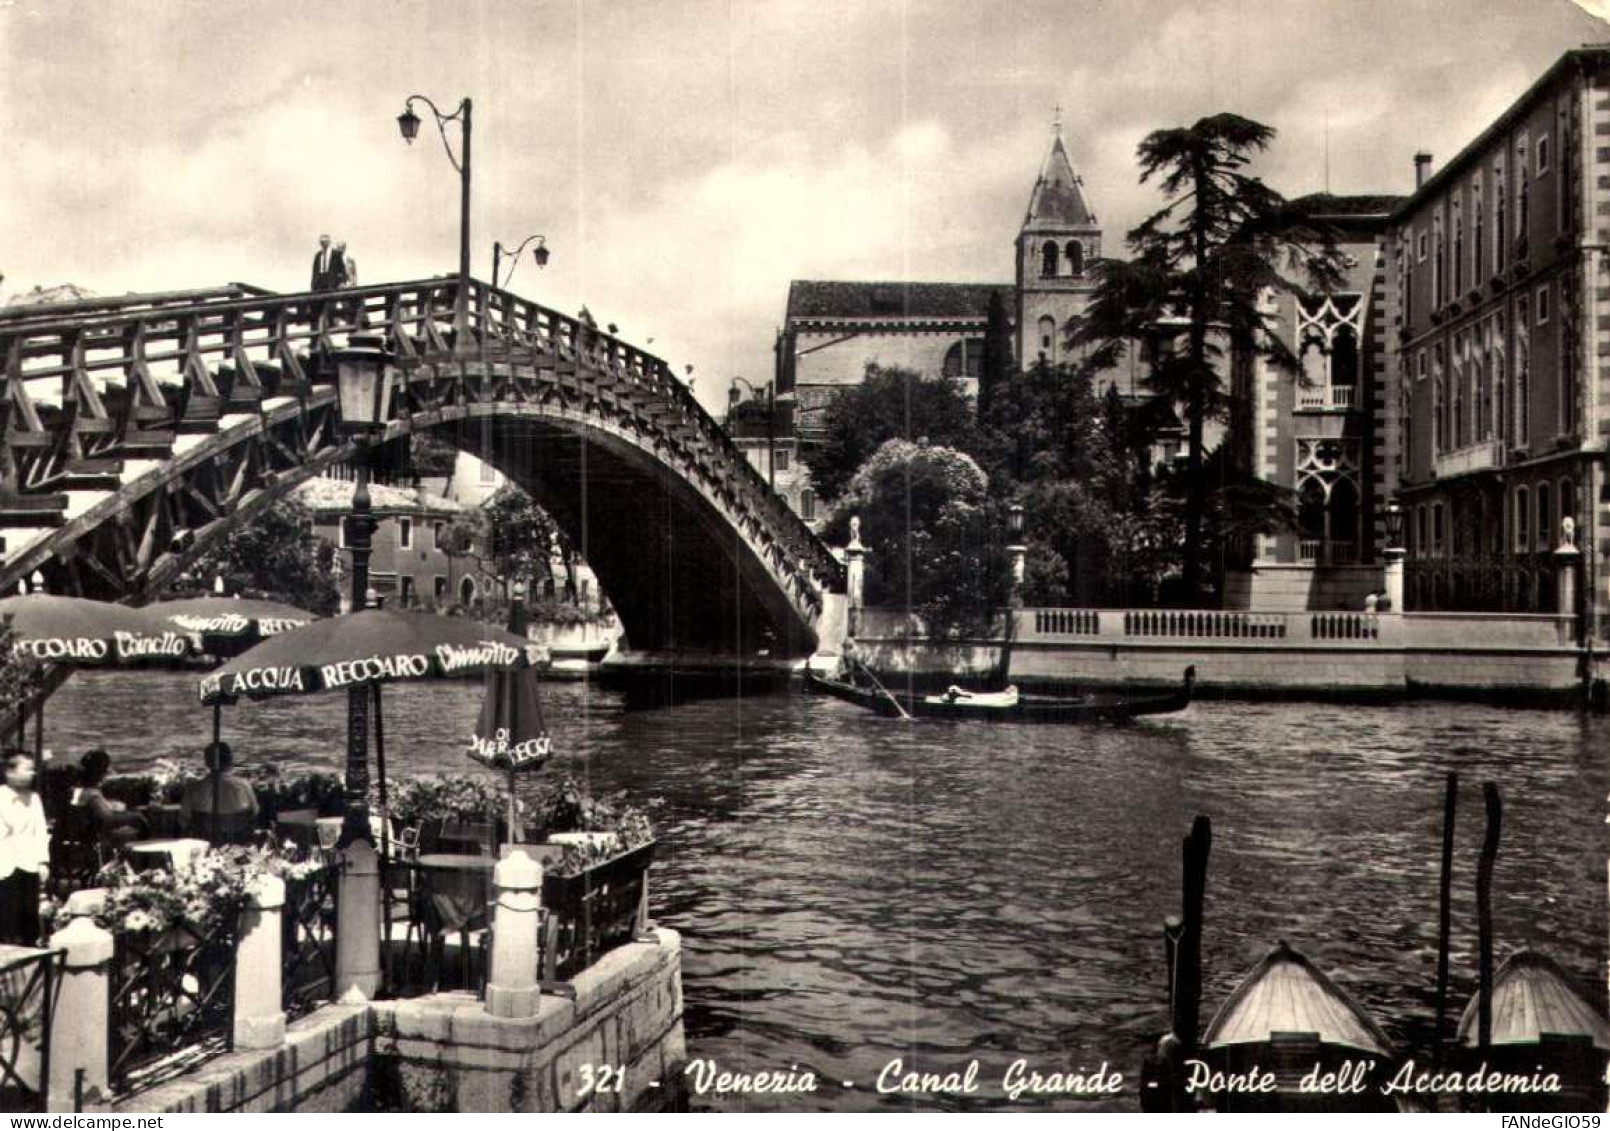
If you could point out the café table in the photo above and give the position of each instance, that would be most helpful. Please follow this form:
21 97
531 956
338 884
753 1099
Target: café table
305 829
457 888
163 821
175 853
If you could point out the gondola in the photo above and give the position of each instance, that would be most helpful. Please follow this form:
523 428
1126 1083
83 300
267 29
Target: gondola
1288 1019
1100 706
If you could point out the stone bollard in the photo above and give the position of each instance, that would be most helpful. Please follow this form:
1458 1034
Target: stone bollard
259 967
78 1036
357 962
511 990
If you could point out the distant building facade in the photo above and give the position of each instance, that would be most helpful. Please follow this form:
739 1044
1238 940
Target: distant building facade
411 564
1501 373
1323 432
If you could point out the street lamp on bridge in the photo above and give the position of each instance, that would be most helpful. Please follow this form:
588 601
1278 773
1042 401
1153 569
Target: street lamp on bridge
500 253
771 426
408 124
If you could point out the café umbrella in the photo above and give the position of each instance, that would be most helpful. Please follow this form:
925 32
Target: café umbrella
79 632
510 734
368 648
228 626
225 627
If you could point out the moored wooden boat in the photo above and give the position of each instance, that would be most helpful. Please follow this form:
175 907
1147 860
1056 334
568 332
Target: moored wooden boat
1094 707
1288 1020
1541 1022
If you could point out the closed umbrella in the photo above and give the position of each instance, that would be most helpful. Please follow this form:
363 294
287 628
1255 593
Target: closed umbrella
510 734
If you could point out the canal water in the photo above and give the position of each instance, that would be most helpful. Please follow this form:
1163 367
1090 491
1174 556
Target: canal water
851 890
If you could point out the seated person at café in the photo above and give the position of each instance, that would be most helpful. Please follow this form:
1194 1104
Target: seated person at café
106 820
236 812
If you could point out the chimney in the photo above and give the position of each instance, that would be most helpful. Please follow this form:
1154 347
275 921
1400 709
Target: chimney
1422 169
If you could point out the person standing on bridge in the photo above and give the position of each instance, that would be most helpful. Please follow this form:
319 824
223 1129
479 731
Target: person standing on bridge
329 268
349 266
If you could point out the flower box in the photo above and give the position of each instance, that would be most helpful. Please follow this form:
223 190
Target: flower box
594 911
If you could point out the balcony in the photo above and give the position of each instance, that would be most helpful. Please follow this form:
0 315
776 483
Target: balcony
1481 456
1326 398
1317 551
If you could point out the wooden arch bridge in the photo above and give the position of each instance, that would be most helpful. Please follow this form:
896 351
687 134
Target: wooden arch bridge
133 432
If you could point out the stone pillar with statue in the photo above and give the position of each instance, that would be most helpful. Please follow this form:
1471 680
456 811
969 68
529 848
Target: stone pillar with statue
1567 560
855 575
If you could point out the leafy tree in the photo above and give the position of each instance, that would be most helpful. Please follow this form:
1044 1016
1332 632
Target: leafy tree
932 535
996 365
890 404
522 547
1201 264
275 554
1078 462
19 681
431 454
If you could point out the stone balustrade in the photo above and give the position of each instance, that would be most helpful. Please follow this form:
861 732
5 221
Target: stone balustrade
1521 657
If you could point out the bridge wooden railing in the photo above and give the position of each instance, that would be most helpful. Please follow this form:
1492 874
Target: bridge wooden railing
90 385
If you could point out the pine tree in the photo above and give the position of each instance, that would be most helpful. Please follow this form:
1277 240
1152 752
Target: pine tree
1201 265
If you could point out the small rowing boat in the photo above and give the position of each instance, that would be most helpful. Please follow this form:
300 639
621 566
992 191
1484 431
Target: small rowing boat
1009 705
1541 1024
1288 1020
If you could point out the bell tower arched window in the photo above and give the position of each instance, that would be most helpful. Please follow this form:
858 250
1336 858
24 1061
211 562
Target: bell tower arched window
1076 258
1048 259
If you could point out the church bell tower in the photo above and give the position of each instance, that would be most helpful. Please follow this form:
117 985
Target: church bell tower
1059 240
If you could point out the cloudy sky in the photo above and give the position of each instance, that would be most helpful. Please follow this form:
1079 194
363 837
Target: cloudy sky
687 158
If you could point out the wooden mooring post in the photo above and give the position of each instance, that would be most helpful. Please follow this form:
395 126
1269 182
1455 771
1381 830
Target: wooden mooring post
1450 803
1188 957
1484 914
1164 1075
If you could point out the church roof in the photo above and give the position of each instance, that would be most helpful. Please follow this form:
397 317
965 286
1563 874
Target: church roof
810 298
1059 199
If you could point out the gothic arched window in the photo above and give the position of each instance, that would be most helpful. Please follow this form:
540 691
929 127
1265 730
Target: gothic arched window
1048 259
1076 258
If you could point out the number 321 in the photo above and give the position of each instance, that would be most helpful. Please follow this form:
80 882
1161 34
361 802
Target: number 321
601 1078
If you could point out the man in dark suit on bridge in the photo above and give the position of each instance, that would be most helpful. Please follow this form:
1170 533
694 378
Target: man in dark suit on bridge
329 267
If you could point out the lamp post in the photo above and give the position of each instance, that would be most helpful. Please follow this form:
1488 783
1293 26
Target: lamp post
1393 554
500 253
408 125
771 427
363 384
1017 550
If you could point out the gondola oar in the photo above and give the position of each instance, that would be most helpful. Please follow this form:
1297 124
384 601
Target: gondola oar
876 682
